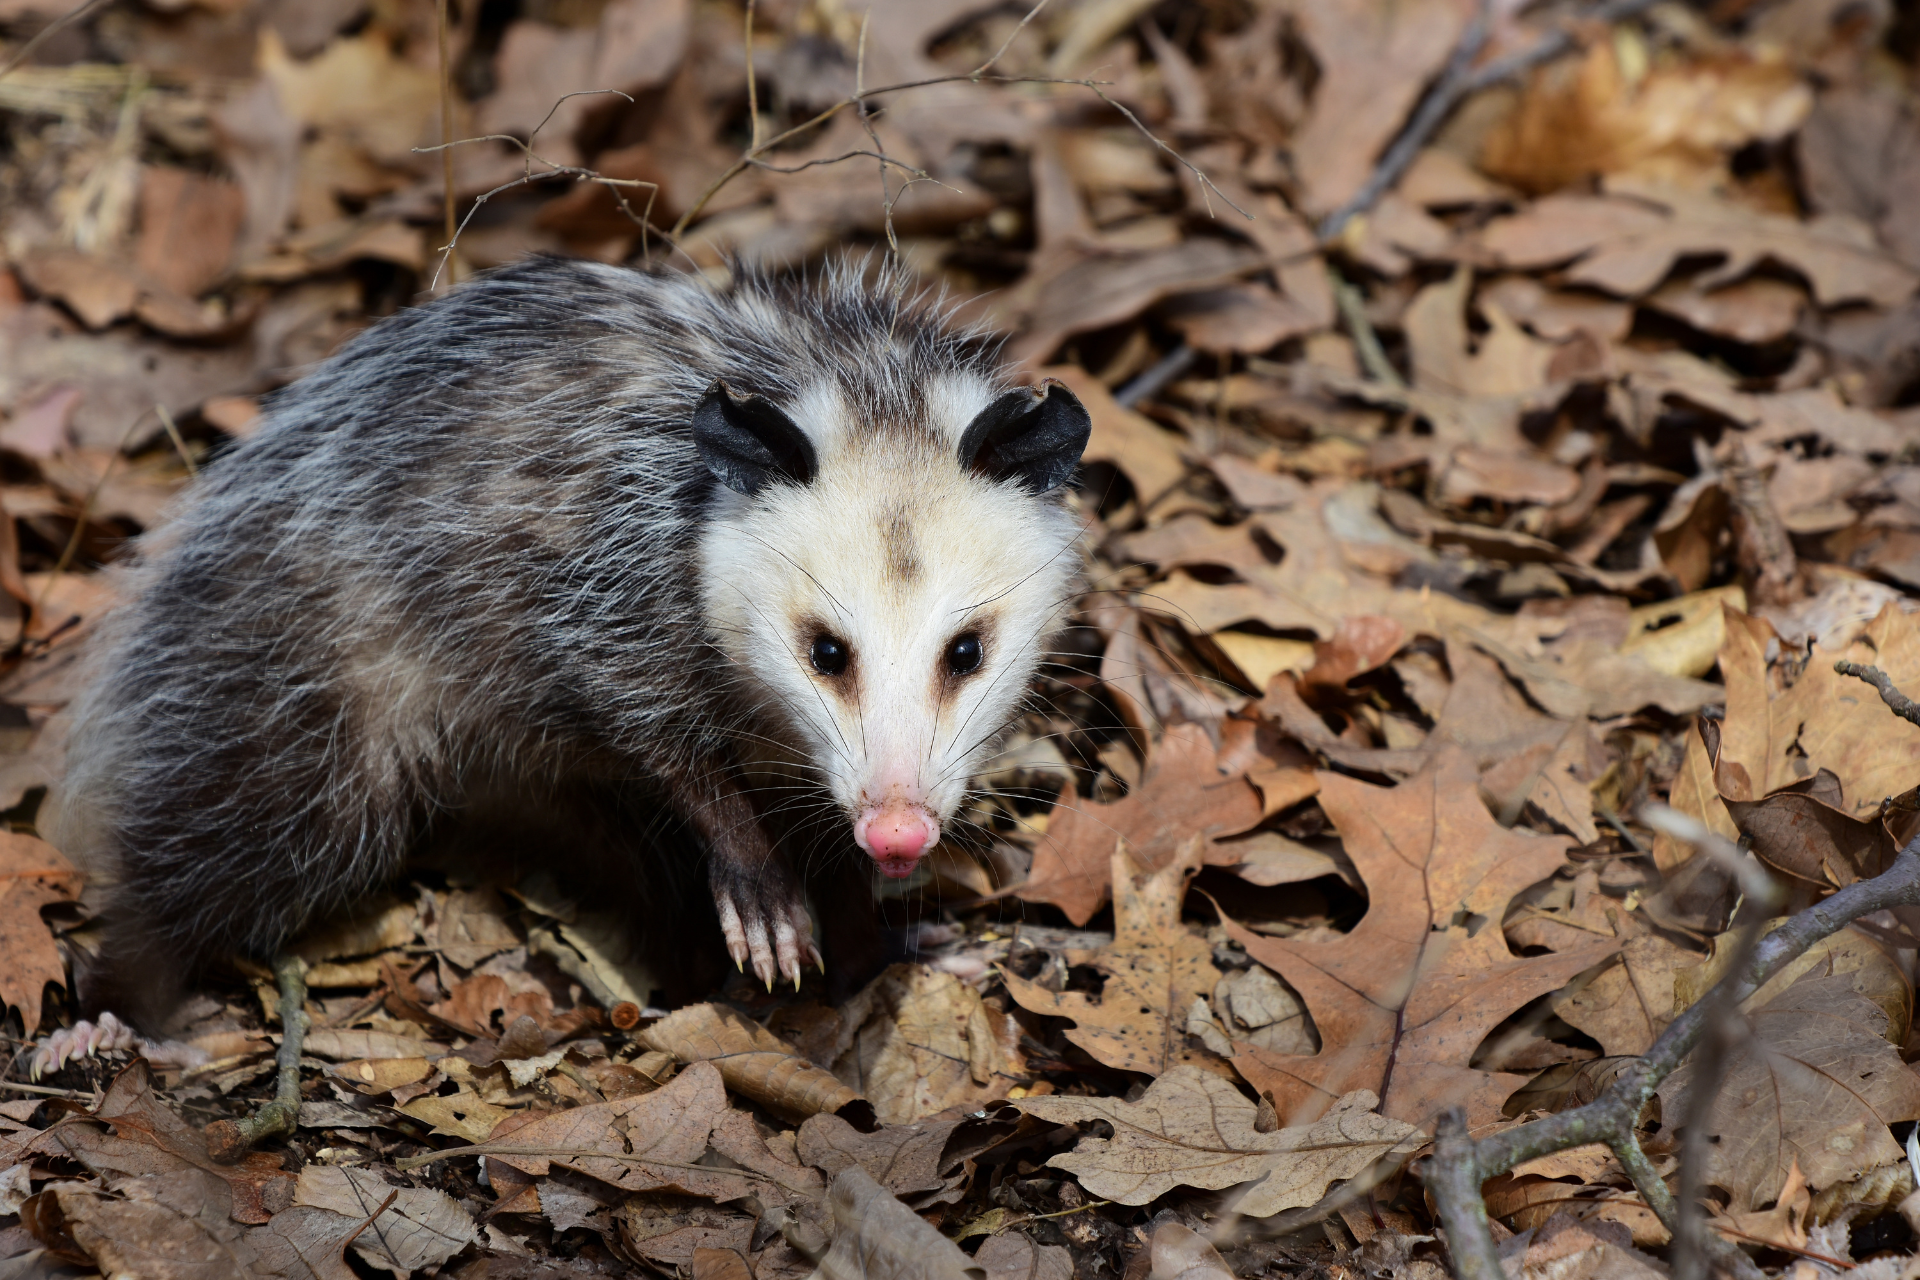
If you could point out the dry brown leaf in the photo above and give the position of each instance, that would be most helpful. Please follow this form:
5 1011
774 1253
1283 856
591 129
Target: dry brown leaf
1817 1083
1404 1000
1628 241
669 1126
1149 454
33 874
671 1231
1155 969
1568 1248
1243 319
1859 155
1626 1005
923 1042
875 1237
1099 291
1360 644
1193 1129
189 224
1374 58
1182 795
1682 116
1784 1226
753 1060
421 1228
1013 1255
159 1227
1825 720
906 1159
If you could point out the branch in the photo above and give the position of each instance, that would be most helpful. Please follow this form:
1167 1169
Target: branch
1899 703
1455 85
861 95
228 1141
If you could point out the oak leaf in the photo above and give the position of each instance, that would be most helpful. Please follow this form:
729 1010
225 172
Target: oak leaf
1404 1000
1155 969
1182 794
33 874
1191 1128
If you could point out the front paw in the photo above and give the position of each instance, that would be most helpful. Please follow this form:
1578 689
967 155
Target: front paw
764 919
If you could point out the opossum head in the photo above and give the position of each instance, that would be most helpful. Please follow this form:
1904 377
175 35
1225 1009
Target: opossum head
885 588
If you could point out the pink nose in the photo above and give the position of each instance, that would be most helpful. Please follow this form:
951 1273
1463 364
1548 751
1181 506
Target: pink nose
895 837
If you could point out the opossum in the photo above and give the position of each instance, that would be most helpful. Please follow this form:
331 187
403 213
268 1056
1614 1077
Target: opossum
569 535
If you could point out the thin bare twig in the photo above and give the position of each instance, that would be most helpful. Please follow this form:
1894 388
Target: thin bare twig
47 33
1455 85
1366 341
579 173
1899 703
862 95
1760 896
446 142
384 1204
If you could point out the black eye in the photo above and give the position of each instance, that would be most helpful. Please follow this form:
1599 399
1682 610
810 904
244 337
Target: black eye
963 655
829 655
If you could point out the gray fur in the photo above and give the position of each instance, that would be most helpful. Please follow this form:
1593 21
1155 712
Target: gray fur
455 562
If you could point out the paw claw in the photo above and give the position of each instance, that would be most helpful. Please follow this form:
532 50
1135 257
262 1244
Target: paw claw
82 1040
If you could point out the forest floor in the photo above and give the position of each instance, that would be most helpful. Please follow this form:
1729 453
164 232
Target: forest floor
1504 416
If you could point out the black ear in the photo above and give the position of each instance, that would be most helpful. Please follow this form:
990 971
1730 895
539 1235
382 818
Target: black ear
748 442
1034 435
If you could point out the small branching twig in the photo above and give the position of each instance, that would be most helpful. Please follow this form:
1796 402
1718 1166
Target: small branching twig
1899 703
228 1141
861 98
1459 1166
642 220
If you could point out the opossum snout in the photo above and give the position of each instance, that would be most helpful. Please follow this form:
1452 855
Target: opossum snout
895 836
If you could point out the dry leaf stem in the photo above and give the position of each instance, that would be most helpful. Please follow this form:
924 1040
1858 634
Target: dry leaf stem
228 1141
1459 1167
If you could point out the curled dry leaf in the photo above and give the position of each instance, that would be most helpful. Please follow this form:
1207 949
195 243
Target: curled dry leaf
1403 1001
32 874
875 1237
751 1059
1155 969
1191 1128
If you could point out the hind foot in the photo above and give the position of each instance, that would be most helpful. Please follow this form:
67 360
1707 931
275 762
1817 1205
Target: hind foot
84 1039
766 922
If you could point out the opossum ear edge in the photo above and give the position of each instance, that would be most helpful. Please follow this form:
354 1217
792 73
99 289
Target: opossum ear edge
748 443
1034 435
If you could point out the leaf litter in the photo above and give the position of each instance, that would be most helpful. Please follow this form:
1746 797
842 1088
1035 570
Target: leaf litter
1421 558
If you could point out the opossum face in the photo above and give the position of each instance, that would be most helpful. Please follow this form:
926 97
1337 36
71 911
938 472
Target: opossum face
886 589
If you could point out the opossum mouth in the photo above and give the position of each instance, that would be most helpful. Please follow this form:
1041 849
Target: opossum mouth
897 868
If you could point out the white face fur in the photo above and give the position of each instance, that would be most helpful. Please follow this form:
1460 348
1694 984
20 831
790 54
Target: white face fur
891 611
